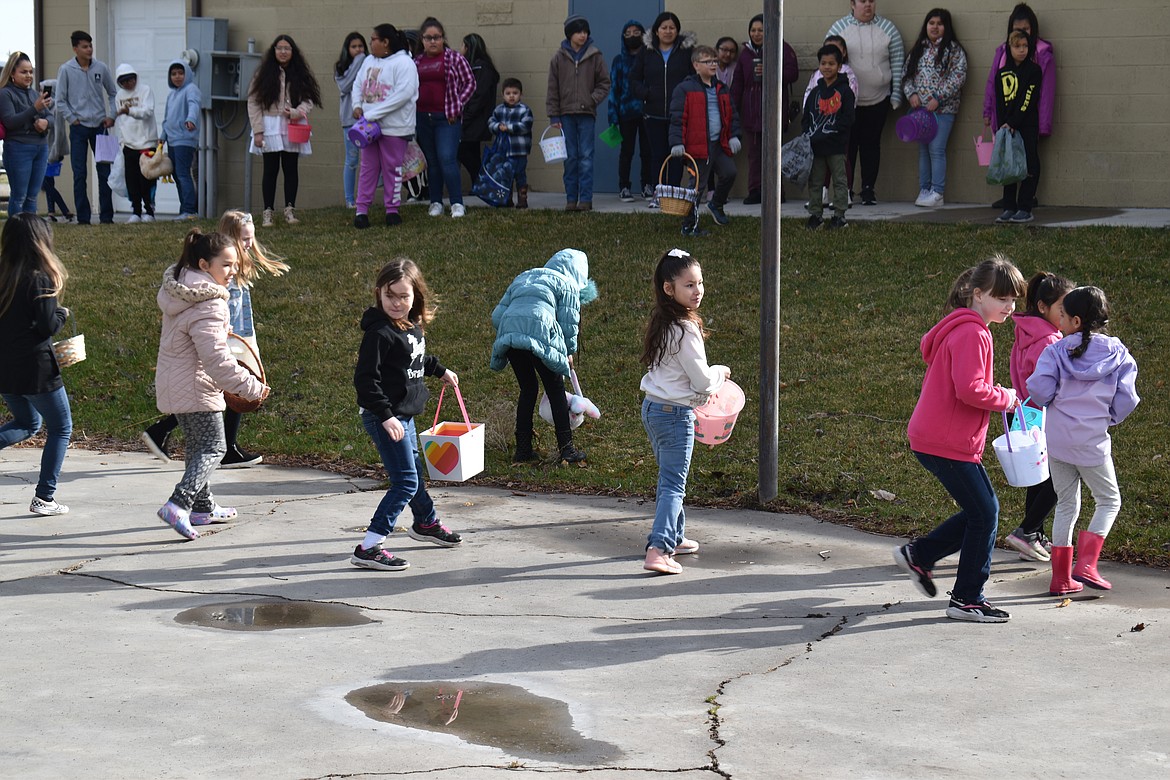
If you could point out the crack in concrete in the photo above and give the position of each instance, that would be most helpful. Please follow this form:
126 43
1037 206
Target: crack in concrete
518 766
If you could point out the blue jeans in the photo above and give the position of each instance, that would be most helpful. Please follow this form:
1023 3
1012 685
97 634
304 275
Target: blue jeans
349 170
439 141
81 140
519 170
579 138
405 472
969 532
932 157
182 157
28 411
671 429
25 164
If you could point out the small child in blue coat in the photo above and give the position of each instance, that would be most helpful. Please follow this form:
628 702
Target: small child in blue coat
537 322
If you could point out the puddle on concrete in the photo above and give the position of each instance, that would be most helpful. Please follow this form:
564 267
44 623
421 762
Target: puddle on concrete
492 714
272 615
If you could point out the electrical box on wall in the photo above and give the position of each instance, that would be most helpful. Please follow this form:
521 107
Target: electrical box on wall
231 75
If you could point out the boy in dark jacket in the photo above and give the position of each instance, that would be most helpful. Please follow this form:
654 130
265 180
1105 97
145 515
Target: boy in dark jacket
625 111
828 115
1017 105
704 125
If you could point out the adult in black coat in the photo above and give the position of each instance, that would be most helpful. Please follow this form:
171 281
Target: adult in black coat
661 66
479 108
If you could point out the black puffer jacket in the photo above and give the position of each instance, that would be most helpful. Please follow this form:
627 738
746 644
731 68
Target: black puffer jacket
654 78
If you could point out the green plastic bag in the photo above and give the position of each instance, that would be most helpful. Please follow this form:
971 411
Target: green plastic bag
1009 162
612 136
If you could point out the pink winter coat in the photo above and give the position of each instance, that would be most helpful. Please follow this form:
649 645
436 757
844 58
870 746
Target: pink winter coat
950 420
1033 334
194 362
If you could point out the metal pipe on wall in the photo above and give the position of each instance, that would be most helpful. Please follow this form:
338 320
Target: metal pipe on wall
773 126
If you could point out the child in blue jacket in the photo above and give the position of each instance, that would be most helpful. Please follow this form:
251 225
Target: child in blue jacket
537 322
180 132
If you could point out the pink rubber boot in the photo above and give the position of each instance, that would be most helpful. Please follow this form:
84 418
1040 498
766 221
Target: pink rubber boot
1062 581
1089 547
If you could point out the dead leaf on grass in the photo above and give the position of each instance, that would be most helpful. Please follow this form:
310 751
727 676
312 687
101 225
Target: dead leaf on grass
882 495
1138 627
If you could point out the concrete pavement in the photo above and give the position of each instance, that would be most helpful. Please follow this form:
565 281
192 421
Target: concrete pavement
788 648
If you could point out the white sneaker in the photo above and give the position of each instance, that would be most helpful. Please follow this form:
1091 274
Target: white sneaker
922 196
457 210
932 200
134 219
148 217
47 508
436 210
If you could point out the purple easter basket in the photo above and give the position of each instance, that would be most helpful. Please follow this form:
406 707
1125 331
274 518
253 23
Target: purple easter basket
364 132
918 126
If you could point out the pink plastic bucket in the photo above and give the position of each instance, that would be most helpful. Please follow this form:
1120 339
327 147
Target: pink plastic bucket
364 132
919 126
983 149
715 419
298 133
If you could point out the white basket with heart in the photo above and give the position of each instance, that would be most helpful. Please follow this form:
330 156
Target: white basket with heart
453 451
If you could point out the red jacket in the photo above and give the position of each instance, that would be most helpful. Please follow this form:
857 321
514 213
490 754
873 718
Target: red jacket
688 117
950 420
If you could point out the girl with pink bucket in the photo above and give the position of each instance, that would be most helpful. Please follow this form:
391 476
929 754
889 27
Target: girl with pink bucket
384 93
677 380
1088 382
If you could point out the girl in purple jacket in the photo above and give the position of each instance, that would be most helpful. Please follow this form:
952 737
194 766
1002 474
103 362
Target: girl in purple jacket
1087 381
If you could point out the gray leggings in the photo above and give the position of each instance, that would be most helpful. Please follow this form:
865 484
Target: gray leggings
1102 482
205 448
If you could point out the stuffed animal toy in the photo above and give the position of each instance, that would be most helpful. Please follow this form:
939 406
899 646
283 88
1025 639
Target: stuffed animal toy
579 406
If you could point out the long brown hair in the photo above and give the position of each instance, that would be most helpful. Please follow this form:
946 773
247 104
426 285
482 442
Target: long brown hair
996 275
397 270
26 247
231 224
298 78
667 311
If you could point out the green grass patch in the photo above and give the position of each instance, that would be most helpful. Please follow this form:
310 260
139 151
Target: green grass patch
854 306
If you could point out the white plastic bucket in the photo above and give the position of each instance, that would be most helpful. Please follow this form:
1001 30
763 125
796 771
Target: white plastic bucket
554 148
1025 463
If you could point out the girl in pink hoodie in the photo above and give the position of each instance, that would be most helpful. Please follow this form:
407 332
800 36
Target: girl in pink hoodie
1036 328
948 431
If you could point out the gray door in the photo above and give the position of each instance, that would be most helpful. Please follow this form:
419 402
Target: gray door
606 20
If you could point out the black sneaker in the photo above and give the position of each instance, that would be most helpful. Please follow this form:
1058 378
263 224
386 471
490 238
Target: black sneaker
814 222
570 454
753 198
1005 217
393 220
720 215
979 612
868 198
239 459
437 533
922 578
837 222
625 196
377 558
694 231
361 221
647 191
156 442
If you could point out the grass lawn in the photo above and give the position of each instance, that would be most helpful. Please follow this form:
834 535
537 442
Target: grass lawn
854 307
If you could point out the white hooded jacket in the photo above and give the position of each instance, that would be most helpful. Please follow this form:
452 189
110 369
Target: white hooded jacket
137 129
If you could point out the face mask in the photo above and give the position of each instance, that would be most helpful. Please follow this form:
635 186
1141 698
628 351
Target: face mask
633 44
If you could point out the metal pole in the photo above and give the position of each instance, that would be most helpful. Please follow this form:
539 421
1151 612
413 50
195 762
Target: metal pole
769 472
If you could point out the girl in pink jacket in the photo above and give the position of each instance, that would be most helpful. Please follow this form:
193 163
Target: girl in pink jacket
949 429
195 366
1036 327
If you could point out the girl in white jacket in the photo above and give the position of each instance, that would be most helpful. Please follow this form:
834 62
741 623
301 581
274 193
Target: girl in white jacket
138 133
195 366
385 91
678 378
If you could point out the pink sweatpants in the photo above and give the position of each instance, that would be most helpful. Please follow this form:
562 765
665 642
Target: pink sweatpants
382 159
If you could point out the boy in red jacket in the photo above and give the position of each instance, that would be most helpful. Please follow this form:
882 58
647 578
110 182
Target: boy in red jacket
704 125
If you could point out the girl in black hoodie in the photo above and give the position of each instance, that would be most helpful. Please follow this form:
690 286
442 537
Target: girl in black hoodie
1017 105
661 66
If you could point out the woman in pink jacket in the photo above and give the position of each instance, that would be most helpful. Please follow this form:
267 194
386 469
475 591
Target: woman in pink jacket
195 366
949 429
1023 18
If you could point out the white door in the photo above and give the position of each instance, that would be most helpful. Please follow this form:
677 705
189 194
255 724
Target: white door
149 34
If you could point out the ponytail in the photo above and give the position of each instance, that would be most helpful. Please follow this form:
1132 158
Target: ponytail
201 246
996 276
1090 305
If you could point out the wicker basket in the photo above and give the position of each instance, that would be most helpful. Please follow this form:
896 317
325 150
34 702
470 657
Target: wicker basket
70 351
677 201
237 403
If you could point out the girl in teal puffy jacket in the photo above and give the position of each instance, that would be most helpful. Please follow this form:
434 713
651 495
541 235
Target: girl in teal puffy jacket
537 323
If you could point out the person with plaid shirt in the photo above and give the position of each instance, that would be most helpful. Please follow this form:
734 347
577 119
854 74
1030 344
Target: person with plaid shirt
515 119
